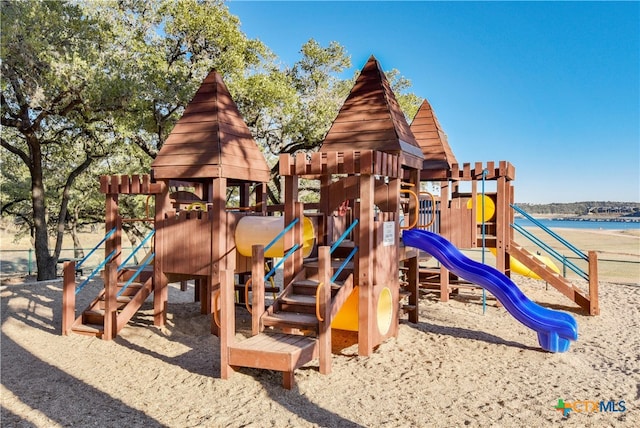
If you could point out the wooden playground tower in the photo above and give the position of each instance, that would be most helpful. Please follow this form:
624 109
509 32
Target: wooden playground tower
369 168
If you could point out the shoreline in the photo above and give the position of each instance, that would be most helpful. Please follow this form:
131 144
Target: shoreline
589 218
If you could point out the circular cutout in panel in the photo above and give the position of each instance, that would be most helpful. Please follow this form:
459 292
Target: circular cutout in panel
384 311
489 208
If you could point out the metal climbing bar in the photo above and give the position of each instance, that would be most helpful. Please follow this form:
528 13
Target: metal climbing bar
344 263
107 236
343 236
281 234
562 259
551 232
135 275
95 270
133 253
281 261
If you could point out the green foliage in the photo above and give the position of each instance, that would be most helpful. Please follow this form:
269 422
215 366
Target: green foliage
92 88
166 49
585 208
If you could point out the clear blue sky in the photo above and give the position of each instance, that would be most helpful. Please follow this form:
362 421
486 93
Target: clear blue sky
552 87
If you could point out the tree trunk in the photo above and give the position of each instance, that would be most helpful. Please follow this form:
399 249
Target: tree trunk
45 262
78 252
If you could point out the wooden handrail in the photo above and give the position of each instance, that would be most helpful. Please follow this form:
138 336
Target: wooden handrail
417 210
216 318
246 295
318 316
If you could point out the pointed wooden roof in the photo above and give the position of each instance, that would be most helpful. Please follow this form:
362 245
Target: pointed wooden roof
211 140
432 139
371 119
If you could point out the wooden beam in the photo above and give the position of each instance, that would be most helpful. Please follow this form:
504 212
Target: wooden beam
594 305
68 296
365 265
257 287
227 321
324 333
110 304
160 284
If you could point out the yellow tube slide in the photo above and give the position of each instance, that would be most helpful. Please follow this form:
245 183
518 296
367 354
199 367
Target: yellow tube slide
521 269
489 208
347 317
259 230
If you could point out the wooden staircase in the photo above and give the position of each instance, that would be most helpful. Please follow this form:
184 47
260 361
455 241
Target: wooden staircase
108 313
556 280
296 328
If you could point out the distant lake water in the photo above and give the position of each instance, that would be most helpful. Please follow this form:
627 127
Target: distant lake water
571 224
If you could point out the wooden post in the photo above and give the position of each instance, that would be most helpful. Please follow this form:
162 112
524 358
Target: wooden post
594 306
160 285
445 230
219 229
502 226
257 287
365 266
110 303
261 198
413 286
324 238
474 214
112 220
324 333
393 215
290 213
68 296
227 321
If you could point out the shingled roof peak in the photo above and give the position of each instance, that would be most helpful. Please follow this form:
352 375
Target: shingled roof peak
371 119
432 139
211 140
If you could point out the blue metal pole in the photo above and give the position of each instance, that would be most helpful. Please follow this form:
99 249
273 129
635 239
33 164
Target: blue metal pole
484 293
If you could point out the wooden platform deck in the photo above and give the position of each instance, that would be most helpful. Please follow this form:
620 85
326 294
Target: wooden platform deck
274 351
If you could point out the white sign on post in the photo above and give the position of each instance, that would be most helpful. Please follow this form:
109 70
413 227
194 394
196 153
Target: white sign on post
388 233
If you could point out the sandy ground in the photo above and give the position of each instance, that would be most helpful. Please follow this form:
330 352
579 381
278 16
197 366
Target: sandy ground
456 367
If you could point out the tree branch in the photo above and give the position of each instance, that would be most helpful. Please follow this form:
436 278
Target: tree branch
62 214
16 151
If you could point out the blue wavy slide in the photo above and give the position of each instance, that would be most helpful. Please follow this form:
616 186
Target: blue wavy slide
555 329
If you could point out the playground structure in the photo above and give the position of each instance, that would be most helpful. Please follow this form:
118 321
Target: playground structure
344 265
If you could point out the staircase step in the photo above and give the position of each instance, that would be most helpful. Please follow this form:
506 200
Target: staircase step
301 303
309 287
404 293
335 264
290 320
131 290
408 308
120 300
300 299
305 286
93 316
88 329
275 351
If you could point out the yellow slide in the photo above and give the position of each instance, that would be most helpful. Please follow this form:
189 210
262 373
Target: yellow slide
521 269
516 266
